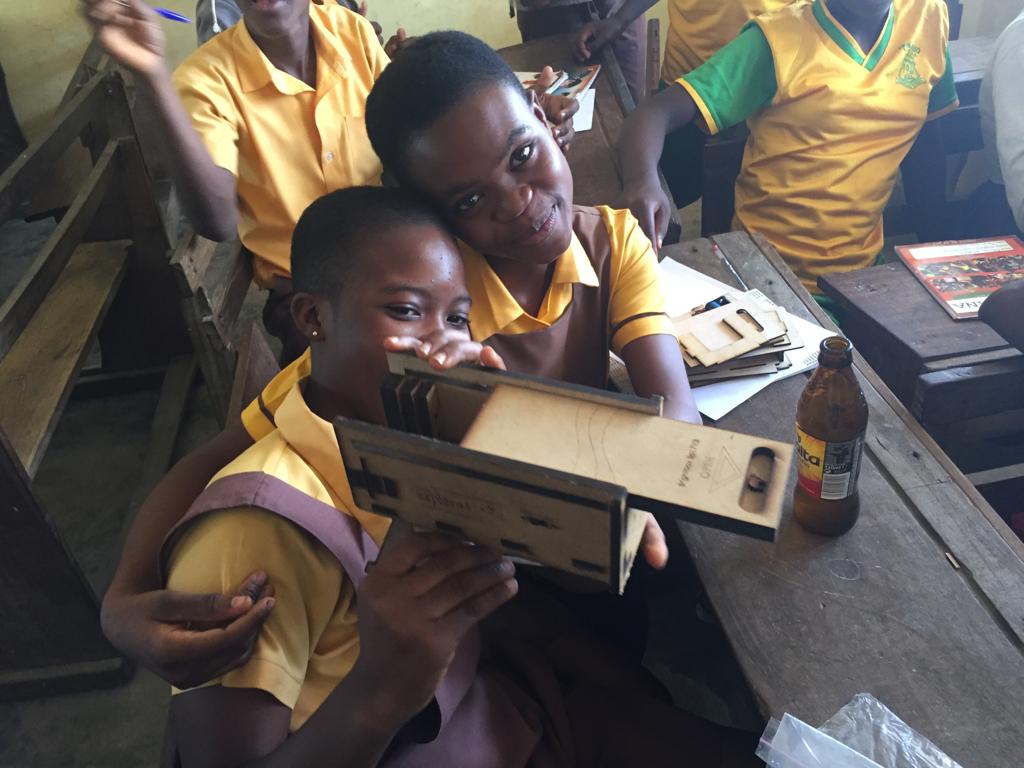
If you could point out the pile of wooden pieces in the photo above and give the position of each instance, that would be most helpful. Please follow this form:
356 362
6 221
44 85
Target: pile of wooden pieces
737 334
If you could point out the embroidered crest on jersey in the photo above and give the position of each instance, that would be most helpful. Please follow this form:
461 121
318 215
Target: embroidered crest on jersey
908 75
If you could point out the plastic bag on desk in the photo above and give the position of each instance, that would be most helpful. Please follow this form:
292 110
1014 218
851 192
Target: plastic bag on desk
792 743
869 727
863 734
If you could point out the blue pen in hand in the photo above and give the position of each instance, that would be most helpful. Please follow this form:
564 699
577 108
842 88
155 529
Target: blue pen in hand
173 16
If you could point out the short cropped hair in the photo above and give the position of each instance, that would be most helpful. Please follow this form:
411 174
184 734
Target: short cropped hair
329 241
425 81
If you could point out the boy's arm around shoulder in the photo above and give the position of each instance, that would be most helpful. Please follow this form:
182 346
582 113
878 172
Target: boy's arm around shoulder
146 621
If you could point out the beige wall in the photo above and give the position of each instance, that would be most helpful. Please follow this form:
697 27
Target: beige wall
988 17
41 41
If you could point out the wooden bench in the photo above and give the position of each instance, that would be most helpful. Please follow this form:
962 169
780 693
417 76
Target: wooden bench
102 273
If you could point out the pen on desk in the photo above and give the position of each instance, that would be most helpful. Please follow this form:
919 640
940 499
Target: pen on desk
171 15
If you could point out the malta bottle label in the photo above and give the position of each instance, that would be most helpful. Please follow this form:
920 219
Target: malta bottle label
828 470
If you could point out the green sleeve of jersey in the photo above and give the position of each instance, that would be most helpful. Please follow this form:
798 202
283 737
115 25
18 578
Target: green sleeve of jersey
943 95
734 83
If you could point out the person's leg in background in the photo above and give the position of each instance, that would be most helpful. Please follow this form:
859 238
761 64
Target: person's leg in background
213 16
630 48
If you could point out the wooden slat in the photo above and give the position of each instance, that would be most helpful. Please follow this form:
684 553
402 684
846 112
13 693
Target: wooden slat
52 640
190 261
653 63
51 259
969 391
18 181
37 374
93 61
256 366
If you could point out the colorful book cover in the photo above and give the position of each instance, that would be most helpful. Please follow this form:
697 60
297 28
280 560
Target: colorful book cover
577 81
529 80
961 274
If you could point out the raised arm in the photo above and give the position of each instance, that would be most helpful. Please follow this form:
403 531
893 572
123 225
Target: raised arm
130 32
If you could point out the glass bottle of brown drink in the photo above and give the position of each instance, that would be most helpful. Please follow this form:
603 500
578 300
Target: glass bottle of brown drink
831 419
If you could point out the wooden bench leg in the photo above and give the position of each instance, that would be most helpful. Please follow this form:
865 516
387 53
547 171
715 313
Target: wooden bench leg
50 616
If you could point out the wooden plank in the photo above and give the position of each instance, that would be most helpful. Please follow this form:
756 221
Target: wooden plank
175 392
997 475
18 182
653 62
190 261
256 366
227 297
145 327
970 391
37 374
881 608
22 302
899 328
52 637
93 61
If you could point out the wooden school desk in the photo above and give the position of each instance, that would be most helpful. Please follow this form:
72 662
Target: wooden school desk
960 379
591 155
921 604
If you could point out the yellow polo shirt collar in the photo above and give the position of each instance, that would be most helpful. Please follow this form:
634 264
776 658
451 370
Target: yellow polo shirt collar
495 310
314 440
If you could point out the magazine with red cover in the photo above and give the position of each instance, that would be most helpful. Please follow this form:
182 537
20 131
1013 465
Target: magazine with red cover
961 274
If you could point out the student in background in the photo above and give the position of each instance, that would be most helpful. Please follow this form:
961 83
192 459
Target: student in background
261 121
835 93
540 18
997 208
696 30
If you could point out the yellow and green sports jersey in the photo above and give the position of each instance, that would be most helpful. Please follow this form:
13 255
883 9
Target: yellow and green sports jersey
698 28
829 124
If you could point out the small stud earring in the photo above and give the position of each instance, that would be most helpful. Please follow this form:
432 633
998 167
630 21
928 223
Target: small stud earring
315 333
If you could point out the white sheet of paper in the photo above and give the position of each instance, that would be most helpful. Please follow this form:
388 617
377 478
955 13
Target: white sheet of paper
716 400
686 288
583 120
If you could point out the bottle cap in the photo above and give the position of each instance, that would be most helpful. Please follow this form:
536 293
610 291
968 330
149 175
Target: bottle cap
835 352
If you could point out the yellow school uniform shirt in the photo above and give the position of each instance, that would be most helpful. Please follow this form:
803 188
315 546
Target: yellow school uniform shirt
698 28
637 304
310 640
285 143
829 124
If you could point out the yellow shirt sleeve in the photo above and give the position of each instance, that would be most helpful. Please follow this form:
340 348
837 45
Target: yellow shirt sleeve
637 304
258 416
212 111
376 58
222 548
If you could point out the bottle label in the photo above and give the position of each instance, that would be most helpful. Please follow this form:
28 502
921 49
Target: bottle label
828 470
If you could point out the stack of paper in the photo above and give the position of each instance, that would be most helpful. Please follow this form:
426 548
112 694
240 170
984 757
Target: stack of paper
720 387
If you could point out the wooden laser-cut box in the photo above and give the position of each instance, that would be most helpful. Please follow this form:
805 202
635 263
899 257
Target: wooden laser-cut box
550 472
